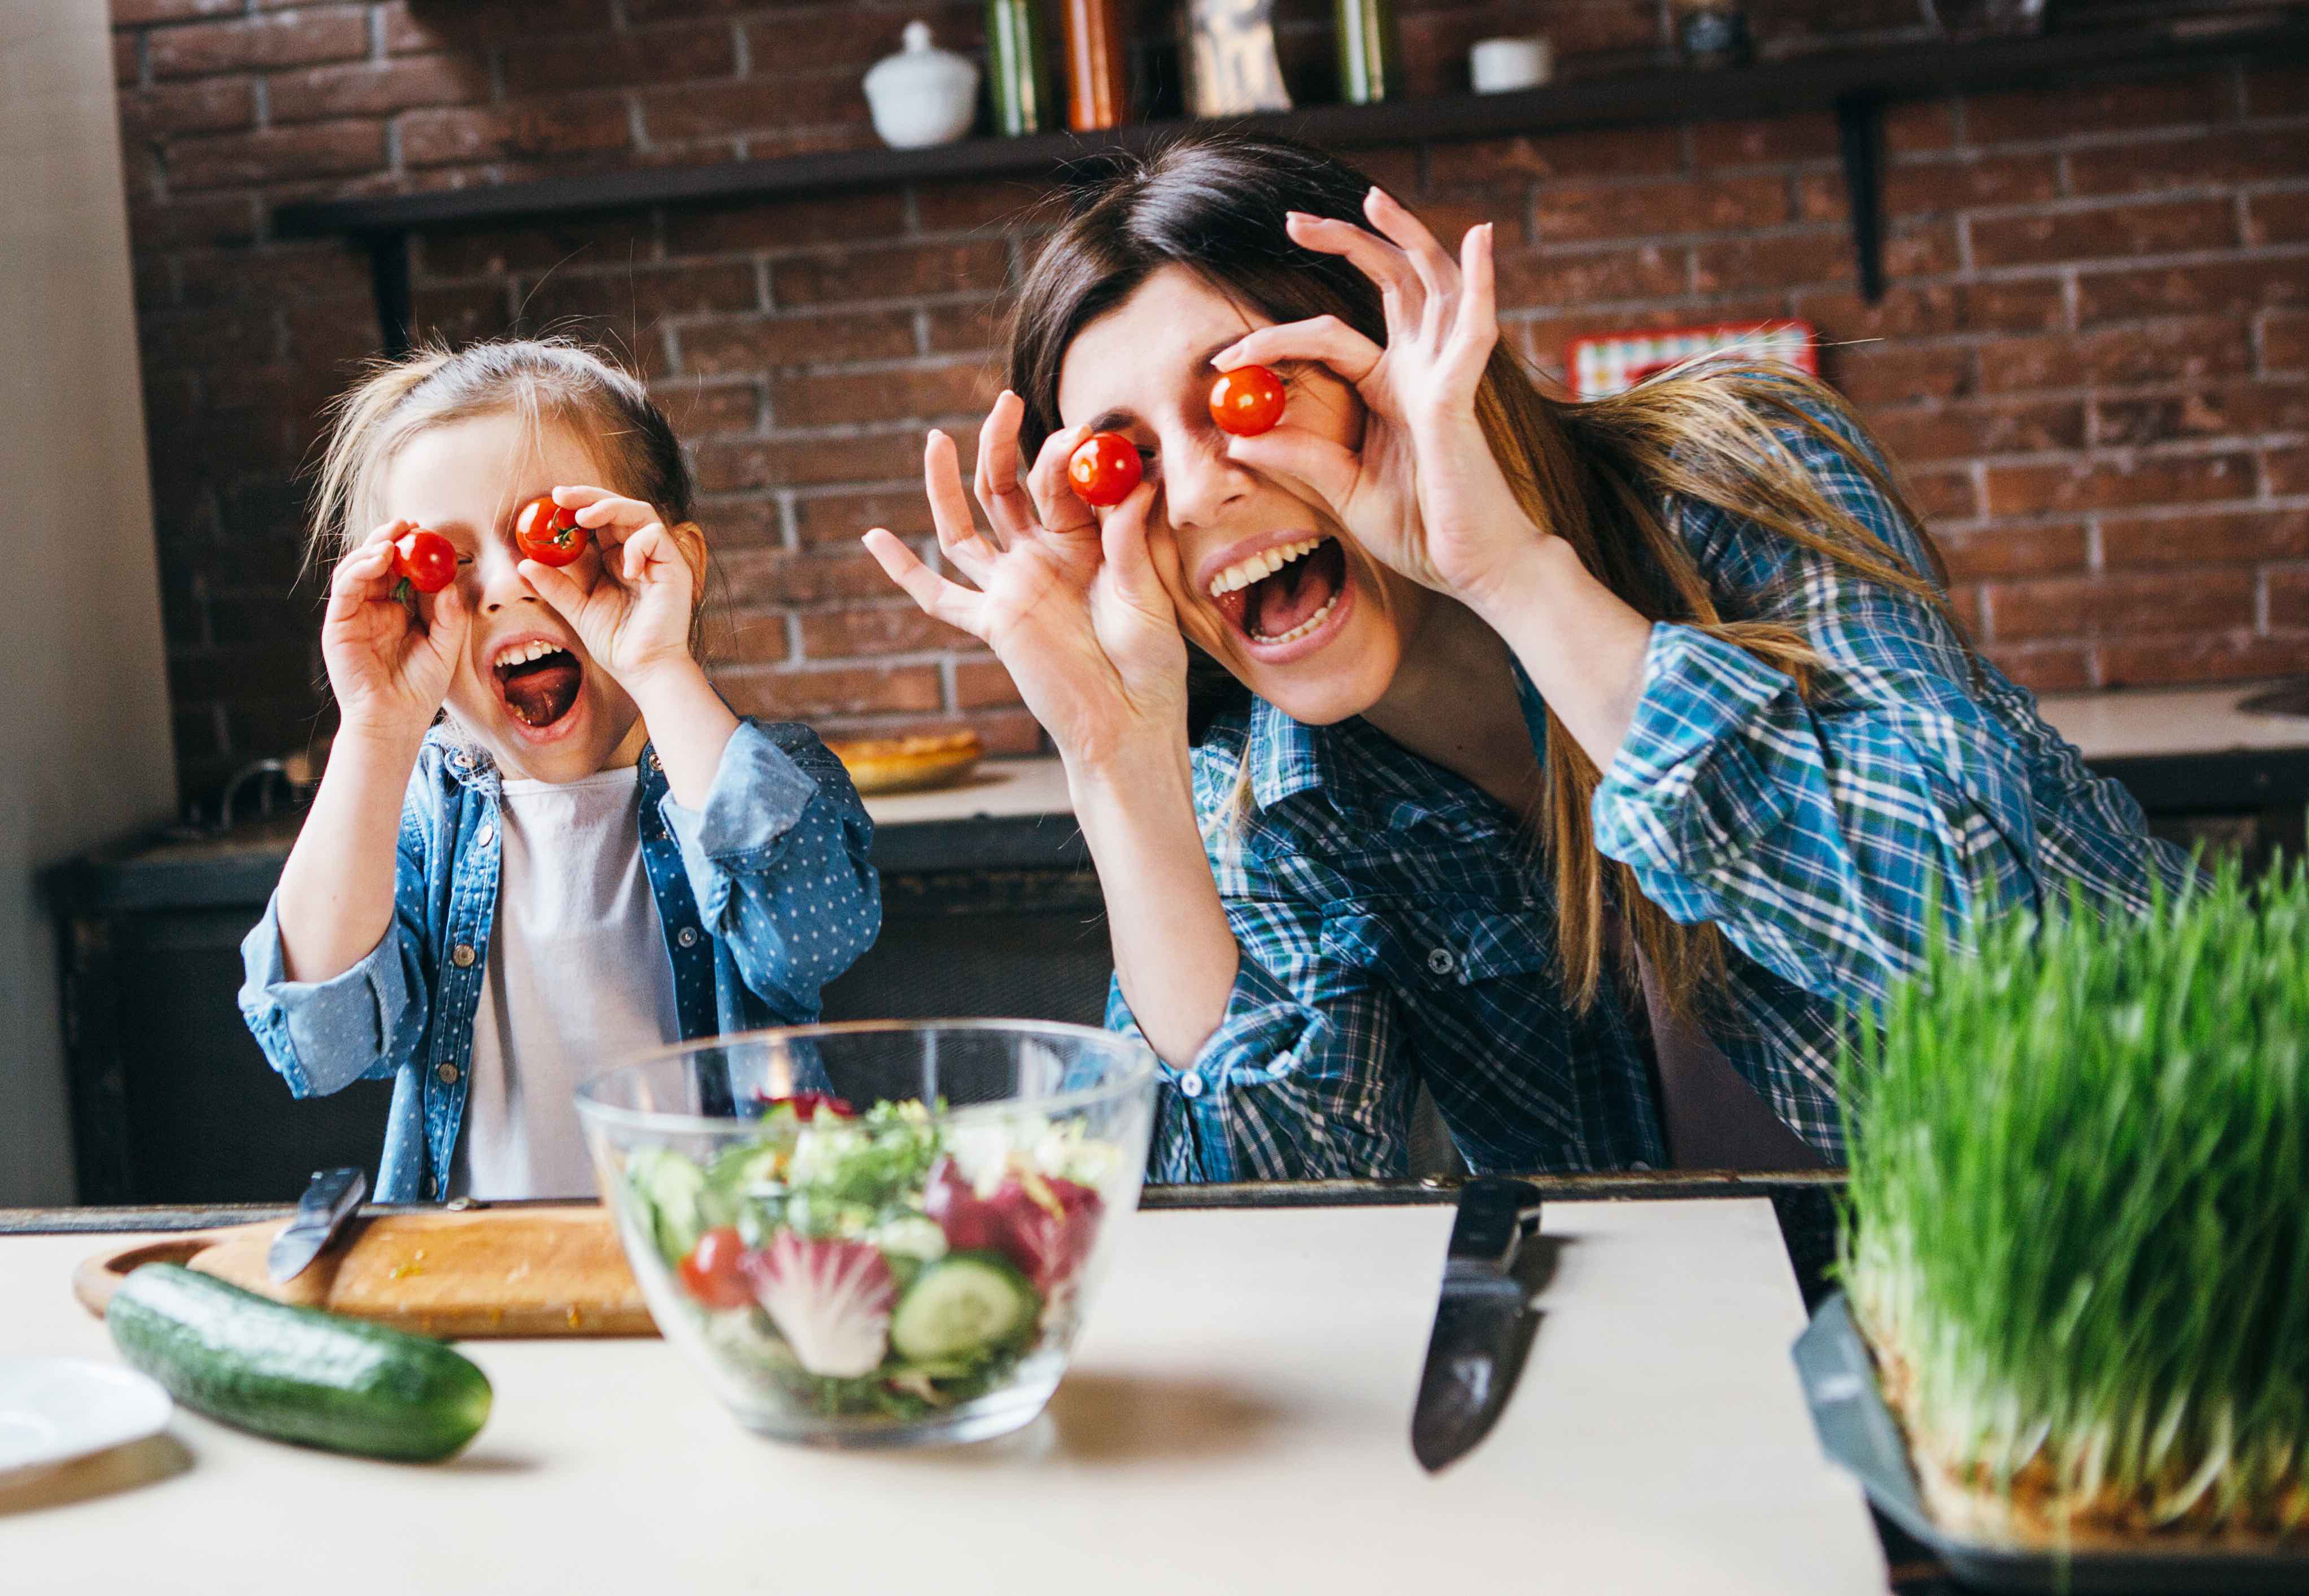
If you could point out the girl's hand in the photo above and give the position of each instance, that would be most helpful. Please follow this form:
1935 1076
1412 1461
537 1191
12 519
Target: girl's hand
1069 601
1422 493
634 612
389 669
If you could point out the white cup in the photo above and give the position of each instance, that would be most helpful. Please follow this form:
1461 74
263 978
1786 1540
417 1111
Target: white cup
1496 66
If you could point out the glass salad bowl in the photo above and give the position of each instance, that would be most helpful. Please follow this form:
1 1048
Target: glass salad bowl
879 1232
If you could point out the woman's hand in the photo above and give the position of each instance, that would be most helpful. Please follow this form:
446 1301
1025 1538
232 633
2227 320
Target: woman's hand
1423 492
388 667
1068 601
633 613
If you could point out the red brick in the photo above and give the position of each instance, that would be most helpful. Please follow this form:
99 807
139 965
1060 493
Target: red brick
2102 485
1506 207
375 89
2116 108
1769 139
727 466
2121 606
2064 668
1960 432
785 225
887 629
269 155
2014 551
2164 228
1968 181
2165 351
214 104
281 274
851 38
2289 596
127 59
1578 212
1944 496
569 126
840 520
2285 340
1012 204
1894 373
1535 280
971 328
281 38
923 393
2229 287
760 343
2287 470
2182 659
2192 541
670 55
463 311
1910 310
136 13
697 409
751 106
910 272
746 520
639 295
1618 152
419 26
2280 218
2203 411
2277 91
790 693
983 683
780 576
1739 264
590 240
1919 125
2229 155
757 637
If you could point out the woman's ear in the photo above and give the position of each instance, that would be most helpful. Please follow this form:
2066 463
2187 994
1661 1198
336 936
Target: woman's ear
690 539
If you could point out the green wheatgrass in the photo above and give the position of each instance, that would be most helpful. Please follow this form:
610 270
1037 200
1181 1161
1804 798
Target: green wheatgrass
2077 1224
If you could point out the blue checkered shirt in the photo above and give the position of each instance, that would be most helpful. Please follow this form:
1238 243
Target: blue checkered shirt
1396 927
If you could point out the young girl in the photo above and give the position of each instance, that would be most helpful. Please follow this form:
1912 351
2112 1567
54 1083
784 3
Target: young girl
1576 760
544 844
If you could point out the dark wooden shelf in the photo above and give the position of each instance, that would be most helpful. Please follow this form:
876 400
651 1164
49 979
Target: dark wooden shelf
1854 86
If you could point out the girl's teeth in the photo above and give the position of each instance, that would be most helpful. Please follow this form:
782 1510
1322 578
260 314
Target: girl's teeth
1303 627
1260 565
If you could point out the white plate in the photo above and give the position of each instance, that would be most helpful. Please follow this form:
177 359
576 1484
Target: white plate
53 1409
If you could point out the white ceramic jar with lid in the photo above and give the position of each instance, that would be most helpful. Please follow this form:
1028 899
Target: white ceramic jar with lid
922 95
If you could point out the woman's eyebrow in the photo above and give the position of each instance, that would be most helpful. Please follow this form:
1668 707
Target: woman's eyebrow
1119 418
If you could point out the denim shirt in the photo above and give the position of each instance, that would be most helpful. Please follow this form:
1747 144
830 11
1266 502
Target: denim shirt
765 894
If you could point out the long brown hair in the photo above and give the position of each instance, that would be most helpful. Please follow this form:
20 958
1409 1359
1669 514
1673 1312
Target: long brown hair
1598 474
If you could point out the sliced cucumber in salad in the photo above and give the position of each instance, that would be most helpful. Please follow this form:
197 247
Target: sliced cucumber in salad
964 1305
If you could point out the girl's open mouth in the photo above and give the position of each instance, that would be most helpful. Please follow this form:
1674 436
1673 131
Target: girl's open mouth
538 681
1283 595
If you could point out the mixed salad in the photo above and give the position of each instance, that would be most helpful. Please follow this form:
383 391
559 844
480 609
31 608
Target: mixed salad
879 1262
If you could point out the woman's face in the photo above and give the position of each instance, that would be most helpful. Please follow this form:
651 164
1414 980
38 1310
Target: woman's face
526 691
1263 582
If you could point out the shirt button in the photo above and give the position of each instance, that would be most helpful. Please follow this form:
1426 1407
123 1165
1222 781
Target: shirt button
461 955
485 834
1439 961
448 1073
655 766
687 936
1191 1086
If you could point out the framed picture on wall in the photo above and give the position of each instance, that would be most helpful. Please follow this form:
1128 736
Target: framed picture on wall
1606 363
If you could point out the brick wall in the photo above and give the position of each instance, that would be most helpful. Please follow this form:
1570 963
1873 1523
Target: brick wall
2093 357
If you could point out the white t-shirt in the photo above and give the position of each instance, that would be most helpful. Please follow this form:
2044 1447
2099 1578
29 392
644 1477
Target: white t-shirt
578 981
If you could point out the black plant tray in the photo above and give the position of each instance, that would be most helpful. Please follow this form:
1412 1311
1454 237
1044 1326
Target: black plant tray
1858 1432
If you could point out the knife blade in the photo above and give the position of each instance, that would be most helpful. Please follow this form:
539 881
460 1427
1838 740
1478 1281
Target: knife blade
328 1200
1479 1313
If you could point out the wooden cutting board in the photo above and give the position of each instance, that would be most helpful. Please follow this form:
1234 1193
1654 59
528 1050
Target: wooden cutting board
527 1271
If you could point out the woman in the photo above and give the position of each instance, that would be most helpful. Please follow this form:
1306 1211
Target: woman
1523 707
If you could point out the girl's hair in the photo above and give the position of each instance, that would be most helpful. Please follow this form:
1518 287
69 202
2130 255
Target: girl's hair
1598 474
544 381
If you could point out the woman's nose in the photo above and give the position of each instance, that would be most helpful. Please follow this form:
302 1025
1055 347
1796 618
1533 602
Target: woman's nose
1199 481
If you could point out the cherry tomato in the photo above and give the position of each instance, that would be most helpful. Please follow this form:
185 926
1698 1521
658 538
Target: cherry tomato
808 1105
714 1272
1104 468
548 533
1247 400
426 561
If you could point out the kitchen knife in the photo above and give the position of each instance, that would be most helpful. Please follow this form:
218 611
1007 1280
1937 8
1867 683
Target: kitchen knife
1478 1316
327 1202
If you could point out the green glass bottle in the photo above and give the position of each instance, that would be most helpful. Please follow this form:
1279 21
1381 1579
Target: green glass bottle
1017 71
1370 52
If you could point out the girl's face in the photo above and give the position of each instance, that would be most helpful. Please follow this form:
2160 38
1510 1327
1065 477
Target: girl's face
1263 582
526 691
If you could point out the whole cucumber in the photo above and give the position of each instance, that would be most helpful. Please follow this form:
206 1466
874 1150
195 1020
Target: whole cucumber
296 1373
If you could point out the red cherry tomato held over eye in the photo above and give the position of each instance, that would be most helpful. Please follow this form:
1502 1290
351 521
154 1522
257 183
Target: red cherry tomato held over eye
711 1271
1247 400
1104 468
426 561
546 533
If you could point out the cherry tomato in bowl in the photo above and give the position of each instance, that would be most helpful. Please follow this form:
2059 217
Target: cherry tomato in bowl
1104 468
426 561
546 533
712 1271
1247 400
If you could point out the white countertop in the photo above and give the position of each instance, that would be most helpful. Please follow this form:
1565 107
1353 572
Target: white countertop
1237 1420
2105 725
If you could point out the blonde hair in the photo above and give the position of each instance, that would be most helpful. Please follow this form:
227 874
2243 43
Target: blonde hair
1600 475
546 382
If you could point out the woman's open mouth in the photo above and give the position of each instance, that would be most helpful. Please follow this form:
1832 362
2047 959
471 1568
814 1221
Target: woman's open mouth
1285 595
538 680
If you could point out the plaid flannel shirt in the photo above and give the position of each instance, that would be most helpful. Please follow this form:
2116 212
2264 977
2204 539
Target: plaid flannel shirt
1396 925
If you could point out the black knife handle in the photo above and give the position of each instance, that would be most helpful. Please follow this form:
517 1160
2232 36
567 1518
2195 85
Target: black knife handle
1494 1215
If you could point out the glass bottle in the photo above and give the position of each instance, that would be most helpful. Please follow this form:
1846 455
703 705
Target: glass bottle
1097 89
1371 53
1018 80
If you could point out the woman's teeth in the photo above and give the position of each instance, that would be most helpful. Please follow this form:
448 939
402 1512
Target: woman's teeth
522 653
1303 627
1261 566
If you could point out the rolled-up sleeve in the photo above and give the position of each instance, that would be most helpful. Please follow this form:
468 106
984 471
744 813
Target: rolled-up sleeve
781 861
323 1036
